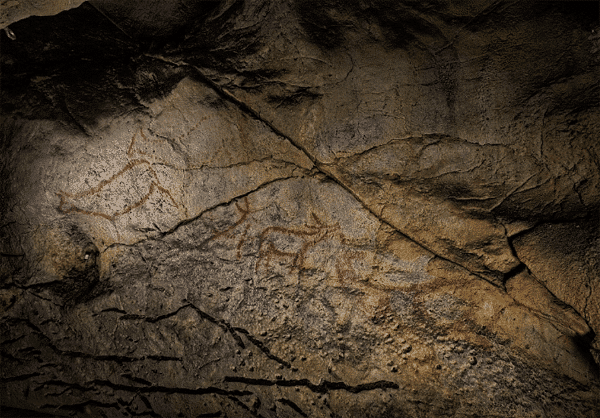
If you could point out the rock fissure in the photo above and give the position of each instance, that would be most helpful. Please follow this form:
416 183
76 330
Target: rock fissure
197 217
300 208
322 167
323 386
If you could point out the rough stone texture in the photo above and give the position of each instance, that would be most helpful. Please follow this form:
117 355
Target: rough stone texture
566 259
314 209
15 10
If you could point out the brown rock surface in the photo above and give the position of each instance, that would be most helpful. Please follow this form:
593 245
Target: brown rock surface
566 259
15 10
314 209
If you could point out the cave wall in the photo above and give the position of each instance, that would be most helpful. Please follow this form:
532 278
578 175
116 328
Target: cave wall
300 208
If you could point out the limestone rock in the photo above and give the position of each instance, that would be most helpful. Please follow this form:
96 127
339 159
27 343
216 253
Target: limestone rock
565 258
15 10
301 208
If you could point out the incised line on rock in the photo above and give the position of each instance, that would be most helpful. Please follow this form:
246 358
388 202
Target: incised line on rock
308 236
77 202
321 167
302 239
69 202
244 211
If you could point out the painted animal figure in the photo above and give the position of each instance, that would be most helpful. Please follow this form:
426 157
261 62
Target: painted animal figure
124 191
291 244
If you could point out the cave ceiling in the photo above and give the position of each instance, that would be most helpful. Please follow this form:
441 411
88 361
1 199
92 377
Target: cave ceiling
300 208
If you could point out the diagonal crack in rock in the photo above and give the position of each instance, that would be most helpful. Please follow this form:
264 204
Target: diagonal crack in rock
323 387
496 276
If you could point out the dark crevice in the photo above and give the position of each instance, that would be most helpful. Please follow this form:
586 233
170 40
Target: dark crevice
9 412
244 406
323 387
516 271
137 379
293 406
161 317
146 402
11 255
93 386
210 415
117 310
161 358
19 378
225 326
263 348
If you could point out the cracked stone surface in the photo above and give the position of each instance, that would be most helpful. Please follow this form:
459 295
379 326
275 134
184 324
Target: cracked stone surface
300 209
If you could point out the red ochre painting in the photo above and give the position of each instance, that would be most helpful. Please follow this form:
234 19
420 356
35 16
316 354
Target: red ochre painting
124 191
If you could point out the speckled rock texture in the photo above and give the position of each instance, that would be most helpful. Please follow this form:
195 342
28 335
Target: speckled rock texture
301 209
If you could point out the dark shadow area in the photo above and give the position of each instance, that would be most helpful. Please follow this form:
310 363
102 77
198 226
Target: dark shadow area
8 412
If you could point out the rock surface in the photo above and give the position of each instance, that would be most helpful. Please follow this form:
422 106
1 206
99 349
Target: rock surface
15 10
301 209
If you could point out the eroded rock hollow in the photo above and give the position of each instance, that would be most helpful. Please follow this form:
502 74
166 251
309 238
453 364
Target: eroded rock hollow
300 208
